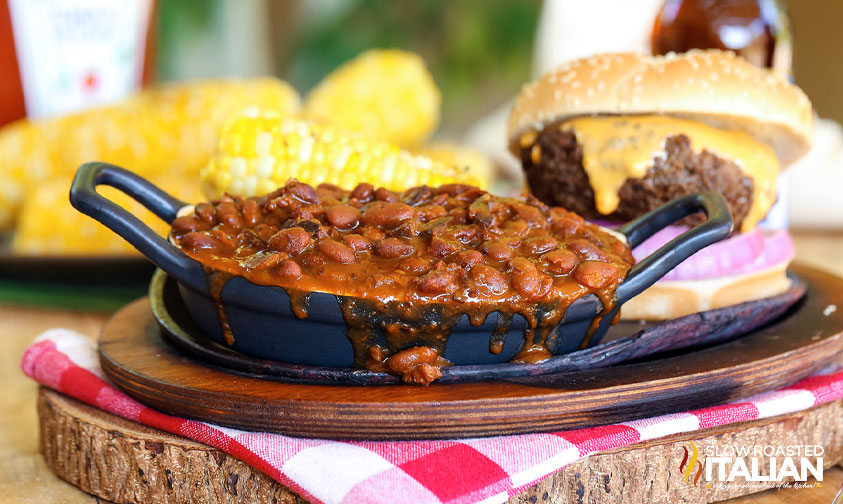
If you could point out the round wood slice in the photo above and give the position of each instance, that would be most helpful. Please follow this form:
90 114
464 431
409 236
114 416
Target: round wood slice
136 357
125 462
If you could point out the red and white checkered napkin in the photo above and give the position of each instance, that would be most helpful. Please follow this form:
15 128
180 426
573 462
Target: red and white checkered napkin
458 471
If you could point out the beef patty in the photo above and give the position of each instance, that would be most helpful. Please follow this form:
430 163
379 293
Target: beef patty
559 179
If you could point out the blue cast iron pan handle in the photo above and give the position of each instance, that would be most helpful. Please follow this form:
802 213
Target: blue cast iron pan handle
717 226
165 255
85 198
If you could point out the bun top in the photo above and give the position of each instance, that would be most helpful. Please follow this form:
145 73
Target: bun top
711 86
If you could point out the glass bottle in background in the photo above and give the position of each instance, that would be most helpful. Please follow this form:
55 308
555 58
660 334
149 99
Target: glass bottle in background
60 56
757 30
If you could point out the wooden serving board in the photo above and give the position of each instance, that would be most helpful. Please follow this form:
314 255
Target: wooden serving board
134 355
125 462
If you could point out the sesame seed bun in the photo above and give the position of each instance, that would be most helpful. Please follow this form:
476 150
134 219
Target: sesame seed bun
714 87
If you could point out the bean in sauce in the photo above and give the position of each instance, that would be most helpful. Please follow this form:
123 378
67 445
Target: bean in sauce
435 253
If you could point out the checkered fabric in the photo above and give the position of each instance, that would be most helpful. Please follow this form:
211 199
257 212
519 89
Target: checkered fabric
456 471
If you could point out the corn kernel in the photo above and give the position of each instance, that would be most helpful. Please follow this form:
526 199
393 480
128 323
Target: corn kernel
302 151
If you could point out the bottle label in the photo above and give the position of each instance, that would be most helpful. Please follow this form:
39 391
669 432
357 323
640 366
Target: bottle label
74 54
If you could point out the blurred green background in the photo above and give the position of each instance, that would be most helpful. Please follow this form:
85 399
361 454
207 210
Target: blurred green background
478 51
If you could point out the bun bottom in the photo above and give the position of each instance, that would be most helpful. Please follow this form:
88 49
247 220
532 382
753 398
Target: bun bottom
671 299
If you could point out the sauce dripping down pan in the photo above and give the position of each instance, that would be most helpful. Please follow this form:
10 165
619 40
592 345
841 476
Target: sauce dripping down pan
263 322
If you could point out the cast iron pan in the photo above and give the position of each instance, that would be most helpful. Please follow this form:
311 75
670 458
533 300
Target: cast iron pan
626 341
263 325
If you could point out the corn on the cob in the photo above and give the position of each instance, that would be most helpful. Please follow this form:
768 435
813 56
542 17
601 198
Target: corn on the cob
48 225
22 156
260 150
454 154
171 129
386 94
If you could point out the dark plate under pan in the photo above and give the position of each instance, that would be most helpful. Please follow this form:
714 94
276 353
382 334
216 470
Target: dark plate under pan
98 283
96 270
624 342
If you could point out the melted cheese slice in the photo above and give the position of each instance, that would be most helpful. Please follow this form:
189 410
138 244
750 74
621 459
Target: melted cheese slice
616 148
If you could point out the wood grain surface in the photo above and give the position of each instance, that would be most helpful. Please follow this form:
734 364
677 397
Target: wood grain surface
134 355
24 476
125 462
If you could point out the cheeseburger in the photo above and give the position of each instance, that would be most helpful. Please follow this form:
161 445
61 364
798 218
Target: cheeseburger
614 136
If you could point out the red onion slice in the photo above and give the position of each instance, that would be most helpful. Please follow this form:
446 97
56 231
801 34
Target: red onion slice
740 253
778 249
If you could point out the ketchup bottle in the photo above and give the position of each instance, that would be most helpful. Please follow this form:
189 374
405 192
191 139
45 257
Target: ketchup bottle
758 30
11 92
59 56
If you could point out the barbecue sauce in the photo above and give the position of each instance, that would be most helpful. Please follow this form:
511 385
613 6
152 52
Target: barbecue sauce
406 267
757 30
